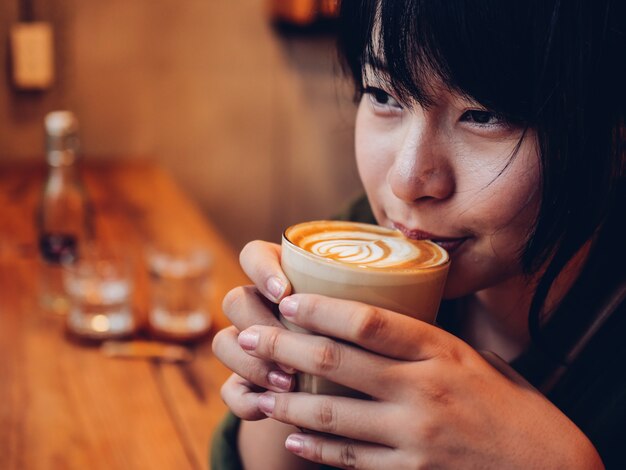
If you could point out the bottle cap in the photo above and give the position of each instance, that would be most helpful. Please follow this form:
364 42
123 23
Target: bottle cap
62 138
61 123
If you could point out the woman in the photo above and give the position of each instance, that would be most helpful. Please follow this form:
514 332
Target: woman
497 129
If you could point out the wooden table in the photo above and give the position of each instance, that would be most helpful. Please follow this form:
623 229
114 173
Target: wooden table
66 406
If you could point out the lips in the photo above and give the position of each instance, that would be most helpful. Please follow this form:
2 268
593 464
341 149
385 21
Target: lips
450 244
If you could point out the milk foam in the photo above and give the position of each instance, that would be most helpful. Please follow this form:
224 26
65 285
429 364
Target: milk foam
367 249
365 245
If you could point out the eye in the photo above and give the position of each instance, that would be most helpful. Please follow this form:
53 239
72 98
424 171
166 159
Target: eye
381 99
483 118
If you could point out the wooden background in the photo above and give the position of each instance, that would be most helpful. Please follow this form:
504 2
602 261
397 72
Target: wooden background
63 404
253 124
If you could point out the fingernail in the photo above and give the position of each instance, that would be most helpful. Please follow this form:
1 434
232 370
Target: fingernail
276 287
279 379
266 403
294 444
288 307
248 339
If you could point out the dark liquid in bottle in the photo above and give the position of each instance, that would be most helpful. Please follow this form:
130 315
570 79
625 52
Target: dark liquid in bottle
58 247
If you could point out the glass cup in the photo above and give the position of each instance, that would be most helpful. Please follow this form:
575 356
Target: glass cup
366 263
180 286
99 288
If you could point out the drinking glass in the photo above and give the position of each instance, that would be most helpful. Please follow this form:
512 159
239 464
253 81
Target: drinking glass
99 287
180 285
345 272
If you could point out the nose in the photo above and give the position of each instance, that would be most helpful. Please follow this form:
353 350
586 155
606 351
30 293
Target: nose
422 168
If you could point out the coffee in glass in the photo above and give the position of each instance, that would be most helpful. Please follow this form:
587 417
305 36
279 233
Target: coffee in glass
366 263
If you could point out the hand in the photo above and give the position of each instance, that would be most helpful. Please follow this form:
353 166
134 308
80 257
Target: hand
436 402
246 306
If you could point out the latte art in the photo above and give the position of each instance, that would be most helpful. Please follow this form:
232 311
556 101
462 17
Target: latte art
371 247
364 263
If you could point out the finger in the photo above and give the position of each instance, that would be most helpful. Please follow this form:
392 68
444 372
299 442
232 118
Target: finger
239 396
382 331
363 420
341 363
260 372
342 453
245 306
261 262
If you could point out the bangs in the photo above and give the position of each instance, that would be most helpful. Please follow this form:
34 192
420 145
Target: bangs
476 48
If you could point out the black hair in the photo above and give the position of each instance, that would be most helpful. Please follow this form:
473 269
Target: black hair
556 67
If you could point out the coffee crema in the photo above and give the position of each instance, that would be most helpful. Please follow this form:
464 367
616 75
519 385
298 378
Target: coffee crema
366 246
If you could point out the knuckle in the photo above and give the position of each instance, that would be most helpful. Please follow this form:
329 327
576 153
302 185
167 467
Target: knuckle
348 455
281 407
326 416
273 342
372 324
232 299
438 394
315 451
256 373
428 432
327 357
453 355
308 304
450 352
437 389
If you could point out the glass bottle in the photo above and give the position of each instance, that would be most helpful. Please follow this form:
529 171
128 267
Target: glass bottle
64 216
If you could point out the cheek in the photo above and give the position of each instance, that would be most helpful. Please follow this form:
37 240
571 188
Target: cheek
499 192
373 152
509 203
501 215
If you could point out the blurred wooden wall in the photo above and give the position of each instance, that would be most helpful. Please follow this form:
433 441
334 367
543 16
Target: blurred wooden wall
254 125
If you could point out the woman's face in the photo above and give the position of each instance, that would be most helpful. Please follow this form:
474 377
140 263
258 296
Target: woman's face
445 172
